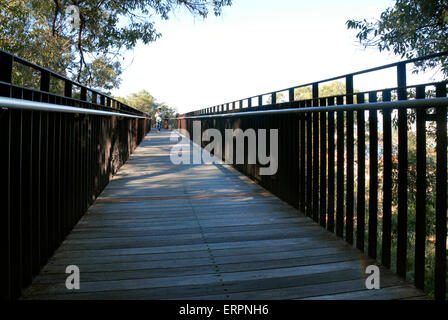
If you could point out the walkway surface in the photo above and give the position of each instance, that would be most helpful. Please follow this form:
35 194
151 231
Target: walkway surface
165 231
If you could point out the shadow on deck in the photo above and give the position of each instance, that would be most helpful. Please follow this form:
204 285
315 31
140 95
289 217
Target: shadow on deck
161 231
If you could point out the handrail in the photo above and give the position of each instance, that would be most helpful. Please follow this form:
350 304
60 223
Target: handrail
401 66
408 104
348 162
12 103
6 62
54 163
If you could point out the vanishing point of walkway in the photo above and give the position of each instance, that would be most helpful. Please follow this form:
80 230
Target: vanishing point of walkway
165 231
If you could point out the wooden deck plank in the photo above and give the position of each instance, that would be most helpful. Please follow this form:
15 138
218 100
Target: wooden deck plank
161 231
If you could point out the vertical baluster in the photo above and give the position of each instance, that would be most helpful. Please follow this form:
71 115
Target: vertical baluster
315 103
36 194
441 196
331 163
361 192
302 163
295 158
77 164
323 165
373 177
63 171
15 169
402 228
309 166
51 183
7 259
387 183
350 163
27 208
420 206
340 171
5 217
59 186
44 187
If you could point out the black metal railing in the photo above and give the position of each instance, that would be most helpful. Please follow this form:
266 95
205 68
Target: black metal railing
326 144
58 153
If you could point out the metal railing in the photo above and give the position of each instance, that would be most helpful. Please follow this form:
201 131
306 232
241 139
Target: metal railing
326 144
58 153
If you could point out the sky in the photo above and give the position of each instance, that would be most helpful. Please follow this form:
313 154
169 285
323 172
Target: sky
254 47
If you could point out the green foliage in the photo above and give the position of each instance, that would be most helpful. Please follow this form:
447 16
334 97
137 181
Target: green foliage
411 28
333 88
145 102
42 32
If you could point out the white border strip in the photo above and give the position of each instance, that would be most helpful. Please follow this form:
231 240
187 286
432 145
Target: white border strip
12 103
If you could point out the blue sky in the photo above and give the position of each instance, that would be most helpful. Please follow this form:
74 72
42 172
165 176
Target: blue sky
254 47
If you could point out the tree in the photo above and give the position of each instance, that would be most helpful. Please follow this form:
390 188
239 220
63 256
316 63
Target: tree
333 88
85 39
145 102
411 28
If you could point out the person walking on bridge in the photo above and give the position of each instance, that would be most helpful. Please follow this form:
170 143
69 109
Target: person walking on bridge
158 116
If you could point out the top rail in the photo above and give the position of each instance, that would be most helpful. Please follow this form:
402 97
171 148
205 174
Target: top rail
60 148
401 74
12 103
88 98
369 166
408 104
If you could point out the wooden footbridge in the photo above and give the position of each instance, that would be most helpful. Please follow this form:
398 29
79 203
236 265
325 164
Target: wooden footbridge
139 226
164 231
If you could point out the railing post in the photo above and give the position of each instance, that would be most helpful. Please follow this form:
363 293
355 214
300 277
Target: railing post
68 88
387 183
420 205
44 81
291 95
441 196
323 165
83 94
340 170
361 190
402 174
315 158
373 178
6 62
6 263
331 165
350 161
309 161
